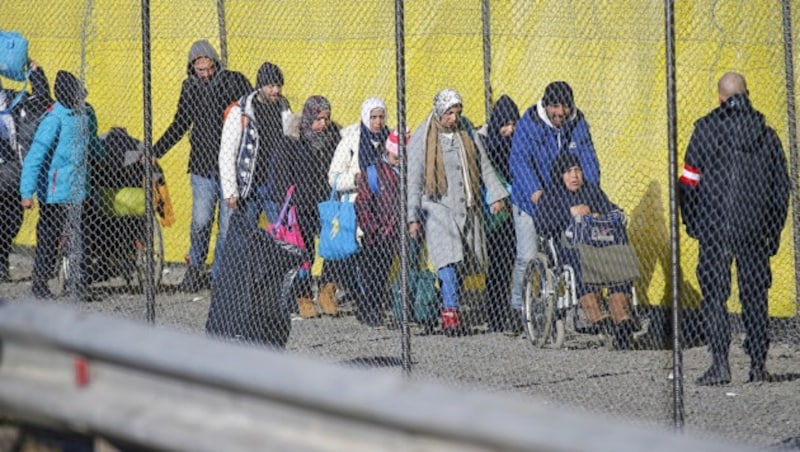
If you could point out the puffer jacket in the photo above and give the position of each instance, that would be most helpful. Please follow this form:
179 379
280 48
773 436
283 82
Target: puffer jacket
56 167
241 154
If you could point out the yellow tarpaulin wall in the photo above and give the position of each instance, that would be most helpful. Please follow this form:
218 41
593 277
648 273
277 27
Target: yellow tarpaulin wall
612 53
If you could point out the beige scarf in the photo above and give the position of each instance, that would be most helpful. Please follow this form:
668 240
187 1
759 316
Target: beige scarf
435 179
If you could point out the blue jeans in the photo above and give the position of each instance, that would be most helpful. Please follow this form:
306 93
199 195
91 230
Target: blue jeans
527 246
261 201
450 286
206 195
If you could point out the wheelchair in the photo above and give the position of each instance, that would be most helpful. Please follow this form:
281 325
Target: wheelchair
113 220
551 307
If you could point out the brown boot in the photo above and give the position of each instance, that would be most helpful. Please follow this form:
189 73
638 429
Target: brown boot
590 303
618 305
306 308
327 299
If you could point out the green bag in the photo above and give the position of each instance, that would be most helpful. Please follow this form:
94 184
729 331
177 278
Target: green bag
123 202
608 264
490 220
422 283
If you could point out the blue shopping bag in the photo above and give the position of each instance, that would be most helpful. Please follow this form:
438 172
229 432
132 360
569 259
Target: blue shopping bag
337 237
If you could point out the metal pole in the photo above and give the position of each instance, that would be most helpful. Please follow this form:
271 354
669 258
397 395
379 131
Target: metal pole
677 352
400 61
149 213
487 57
791 120
223 35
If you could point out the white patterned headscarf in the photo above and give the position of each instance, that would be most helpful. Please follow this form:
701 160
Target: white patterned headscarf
367 107
445 100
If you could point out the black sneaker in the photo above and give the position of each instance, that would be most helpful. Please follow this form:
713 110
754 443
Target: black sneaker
760 376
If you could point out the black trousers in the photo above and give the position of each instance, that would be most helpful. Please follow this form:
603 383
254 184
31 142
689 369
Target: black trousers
375 296
754 277
501 250
56 220
10 222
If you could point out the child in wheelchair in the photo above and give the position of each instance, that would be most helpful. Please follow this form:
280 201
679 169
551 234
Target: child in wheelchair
564 212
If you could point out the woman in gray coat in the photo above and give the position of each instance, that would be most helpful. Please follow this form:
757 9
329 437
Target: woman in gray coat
447 170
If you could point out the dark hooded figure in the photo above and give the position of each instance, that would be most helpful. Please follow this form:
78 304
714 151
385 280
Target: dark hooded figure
496 137
205 94
499 133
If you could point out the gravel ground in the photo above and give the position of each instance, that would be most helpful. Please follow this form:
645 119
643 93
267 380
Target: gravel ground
632 385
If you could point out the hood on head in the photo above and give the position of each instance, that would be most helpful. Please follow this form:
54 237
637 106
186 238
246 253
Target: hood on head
202 48
69 90
504 110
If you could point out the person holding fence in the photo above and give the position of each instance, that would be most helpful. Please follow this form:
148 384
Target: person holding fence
550 127
734 200
18 122
56 169
445 170
205 94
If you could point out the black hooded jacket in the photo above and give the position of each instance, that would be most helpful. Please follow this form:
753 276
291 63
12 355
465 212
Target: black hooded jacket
497 146
201 107
734 186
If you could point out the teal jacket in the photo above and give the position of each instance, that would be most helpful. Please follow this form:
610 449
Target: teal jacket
56 167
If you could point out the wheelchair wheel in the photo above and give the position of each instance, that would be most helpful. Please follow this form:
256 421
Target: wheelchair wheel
64 269
539 309
158 258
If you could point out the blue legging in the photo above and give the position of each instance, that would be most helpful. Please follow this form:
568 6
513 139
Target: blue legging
450 284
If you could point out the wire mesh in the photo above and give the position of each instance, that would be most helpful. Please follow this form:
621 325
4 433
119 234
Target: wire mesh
252 98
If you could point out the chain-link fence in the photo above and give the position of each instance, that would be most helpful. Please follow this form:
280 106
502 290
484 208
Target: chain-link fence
244 100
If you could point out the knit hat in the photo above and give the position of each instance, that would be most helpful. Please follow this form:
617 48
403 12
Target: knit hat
563 163
445 100
393 142
269 74
558 93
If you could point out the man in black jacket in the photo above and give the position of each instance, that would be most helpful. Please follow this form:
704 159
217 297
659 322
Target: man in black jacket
734 200
205 94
